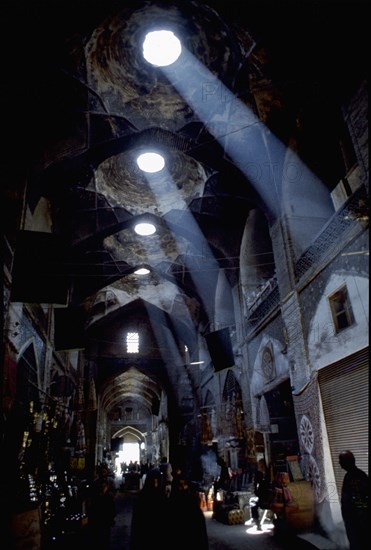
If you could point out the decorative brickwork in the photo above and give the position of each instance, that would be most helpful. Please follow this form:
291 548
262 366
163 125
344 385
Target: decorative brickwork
339 230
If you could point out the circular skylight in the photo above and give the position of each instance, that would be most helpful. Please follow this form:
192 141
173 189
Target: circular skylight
161 48
151 162
141 271
144 228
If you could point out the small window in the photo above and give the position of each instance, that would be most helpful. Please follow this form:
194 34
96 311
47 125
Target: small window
341 309
132 342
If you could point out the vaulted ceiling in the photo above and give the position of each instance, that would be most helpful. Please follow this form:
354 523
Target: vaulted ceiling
93 103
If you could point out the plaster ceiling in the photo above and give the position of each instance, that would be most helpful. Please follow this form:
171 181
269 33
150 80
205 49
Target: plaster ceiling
94 104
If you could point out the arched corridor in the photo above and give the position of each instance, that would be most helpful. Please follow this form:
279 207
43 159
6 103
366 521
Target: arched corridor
208 307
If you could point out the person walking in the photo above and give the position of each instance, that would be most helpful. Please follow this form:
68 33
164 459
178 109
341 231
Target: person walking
167 475
101 515
354 501
261 497
150 515
221 482
186 517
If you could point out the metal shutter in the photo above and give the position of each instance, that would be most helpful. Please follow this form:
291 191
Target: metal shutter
344 391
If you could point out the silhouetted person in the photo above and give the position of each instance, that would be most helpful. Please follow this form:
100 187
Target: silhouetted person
167 475
101 514
354 501
223 478
103 474
150 524
187 521
259 501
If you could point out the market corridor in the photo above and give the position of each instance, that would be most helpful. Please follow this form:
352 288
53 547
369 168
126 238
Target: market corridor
221 537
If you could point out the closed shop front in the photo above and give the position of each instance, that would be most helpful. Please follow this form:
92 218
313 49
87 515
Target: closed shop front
345 392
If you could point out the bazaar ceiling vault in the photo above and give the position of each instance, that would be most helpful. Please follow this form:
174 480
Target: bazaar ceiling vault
91 104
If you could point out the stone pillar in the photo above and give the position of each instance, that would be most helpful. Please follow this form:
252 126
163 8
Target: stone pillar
283 257
291 308
296 346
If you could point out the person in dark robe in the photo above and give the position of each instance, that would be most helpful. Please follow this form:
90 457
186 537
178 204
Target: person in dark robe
354 501
101 514
150 520
186 517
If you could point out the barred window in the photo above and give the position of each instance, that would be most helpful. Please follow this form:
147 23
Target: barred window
132 342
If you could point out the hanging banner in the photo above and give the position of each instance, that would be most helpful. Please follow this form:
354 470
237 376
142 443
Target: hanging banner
307 410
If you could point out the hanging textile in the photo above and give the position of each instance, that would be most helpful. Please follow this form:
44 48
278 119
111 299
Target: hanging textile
206 431
81 441
264 421
79 400
307 410
92 396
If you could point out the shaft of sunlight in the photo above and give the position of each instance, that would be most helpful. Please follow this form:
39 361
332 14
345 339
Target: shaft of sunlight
269 165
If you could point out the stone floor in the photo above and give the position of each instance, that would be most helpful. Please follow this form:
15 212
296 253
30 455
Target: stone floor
221 536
